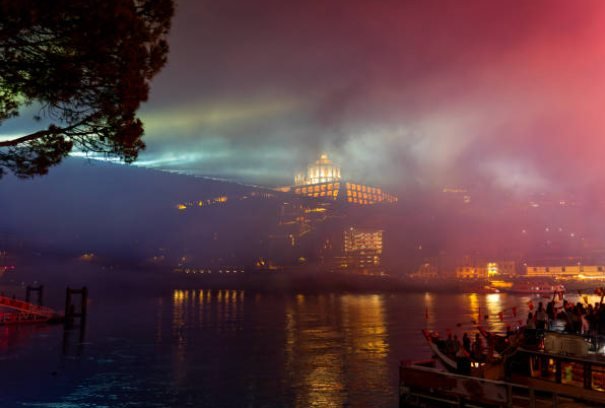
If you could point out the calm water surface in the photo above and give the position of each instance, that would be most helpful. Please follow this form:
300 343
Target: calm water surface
232 348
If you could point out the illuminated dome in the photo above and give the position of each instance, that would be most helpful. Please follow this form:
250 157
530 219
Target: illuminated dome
322 171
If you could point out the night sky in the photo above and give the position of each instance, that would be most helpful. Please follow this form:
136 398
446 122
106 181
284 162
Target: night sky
504 95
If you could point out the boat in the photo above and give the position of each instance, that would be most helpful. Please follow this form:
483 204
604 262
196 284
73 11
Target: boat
437 347
501 342
561 368
486 366
534 288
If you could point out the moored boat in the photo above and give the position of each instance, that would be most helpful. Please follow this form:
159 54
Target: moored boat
460 361
534 288
564 368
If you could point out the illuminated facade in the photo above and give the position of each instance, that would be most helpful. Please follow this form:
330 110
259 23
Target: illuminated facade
362 194
505 269
221 200
323 180
566 271
322 171
202 203
489 270
472 272
349 192
363 249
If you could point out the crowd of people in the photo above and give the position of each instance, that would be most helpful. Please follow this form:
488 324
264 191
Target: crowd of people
465 348
578 318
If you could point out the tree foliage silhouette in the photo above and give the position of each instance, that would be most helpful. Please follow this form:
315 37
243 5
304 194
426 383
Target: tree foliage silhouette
86 65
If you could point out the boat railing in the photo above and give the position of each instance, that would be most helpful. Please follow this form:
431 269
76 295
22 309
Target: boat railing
422 385
597 342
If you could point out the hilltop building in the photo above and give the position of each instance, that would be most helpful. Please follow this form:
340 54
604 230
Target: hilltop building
322 222
322 171
323 179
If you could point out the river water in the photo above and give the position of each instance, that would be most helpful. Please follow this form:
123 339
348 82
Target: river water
233 348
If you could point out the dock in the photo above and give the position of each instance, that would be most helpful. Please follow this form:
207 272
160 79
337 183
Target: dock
16 311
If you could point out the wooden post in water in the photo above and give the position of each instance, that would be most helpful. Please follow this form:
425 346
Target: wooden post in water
74 311
70 308
38 289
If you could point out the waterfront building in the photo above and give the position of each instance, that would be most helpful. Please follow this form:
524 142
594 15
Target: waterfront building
576 271
487 270
505 269
472 272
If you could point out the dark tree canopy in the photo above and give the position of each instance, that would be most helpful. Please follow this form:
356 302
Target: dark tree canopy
87 64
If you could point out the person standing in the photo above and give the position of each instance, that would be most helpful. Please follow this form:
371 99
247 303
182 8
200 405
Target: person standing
477 353
466 343
541 317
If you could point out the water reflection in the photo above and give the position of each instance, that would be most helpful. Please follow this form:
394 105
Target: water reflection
336 348
429 310
13 336
494 307
218 309
473 306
